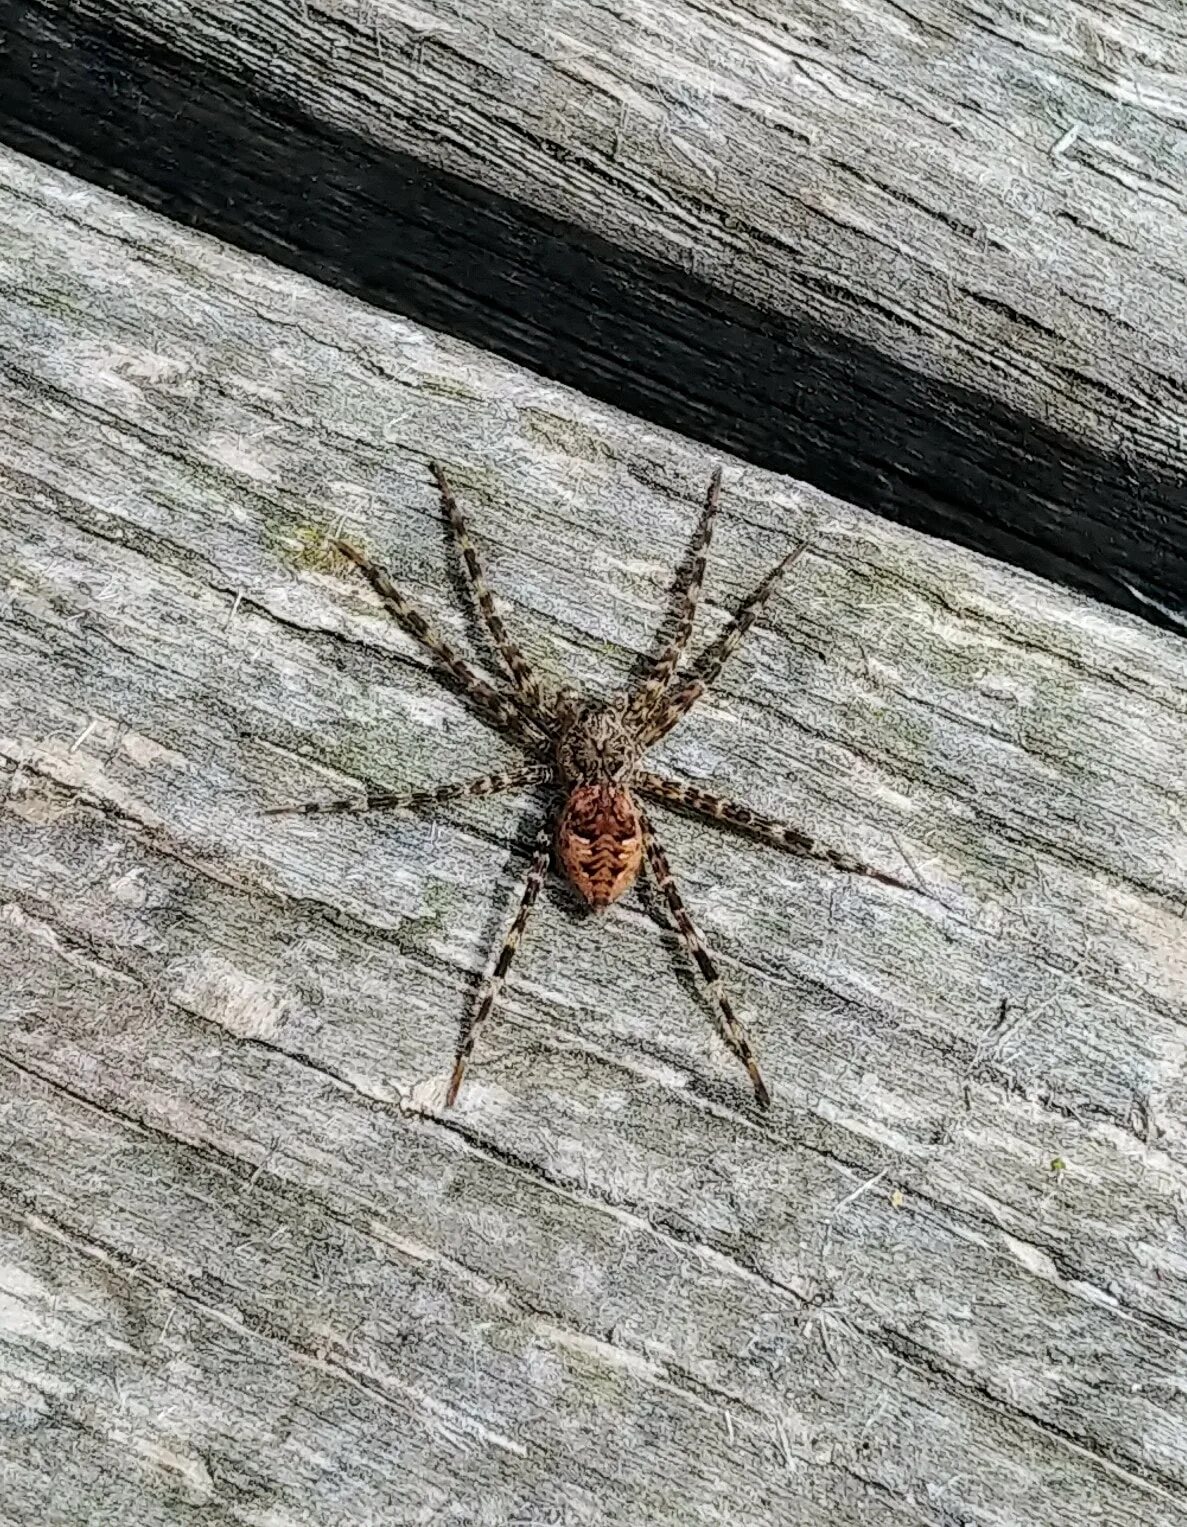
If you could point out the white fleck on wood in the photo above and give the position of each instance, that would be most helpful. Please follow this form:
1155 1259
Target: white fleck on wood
248 1268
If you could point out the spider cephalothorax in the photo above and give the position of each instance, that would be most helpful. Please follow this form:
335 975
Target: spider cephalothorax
598 741
589 751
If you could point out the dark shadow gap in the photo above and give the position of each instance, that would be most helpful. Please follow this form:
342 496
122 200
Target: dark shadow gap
207 151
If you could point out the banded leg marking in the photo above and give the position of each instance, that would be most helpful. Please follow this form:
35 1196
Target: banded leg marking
494 983
730 1026
650 692
506 710
715 659
513 660
716 808
486 784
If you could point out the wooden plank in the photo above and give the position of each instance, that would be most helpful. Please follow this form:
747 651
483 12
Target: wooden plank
251 1267
929 258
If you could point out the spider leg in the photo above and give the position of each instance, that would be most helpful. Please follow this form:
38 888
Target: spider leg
494 983
715 808
731 1029
650 692
512 658
487 784
509 711
714 660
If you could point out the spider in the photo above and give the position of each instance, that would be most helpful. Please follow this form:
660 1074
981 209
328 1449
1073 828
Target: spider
590 752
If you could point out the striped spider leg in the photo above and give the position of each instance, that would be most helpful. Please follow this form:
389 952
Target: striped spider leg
688 591
730 1027
513 660
659 707
505 709
493 985
677 703
715 808
413 800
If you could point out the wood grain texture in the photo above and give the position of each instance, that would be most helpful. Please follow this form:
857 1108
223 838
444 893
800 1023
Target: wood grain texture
252 1273
929 256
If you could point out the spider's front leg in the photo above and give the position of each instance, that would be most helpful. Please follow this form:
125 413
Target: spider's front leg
511 711
512 658
714 808
680 701
732 1031
650 693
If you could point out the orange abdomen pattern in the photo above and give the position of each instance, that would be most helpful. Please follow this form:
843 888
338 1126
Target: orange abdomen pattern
600 842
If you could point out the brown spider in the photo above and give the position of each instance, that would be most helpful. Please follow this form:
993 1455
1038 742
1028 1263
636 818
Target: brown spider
591 749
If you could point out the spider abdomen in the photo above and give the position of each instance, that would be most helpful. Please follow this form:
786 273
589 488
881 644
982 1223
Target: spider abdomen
599 839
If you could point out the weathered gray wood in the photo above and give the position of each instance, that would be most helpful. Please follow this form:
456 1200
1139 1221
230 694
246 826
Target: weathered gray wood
930 257
251 1271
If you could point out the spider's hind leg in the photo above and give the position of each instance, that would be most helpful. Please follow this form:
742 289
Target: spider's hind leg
744 819
731 1028
494 983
